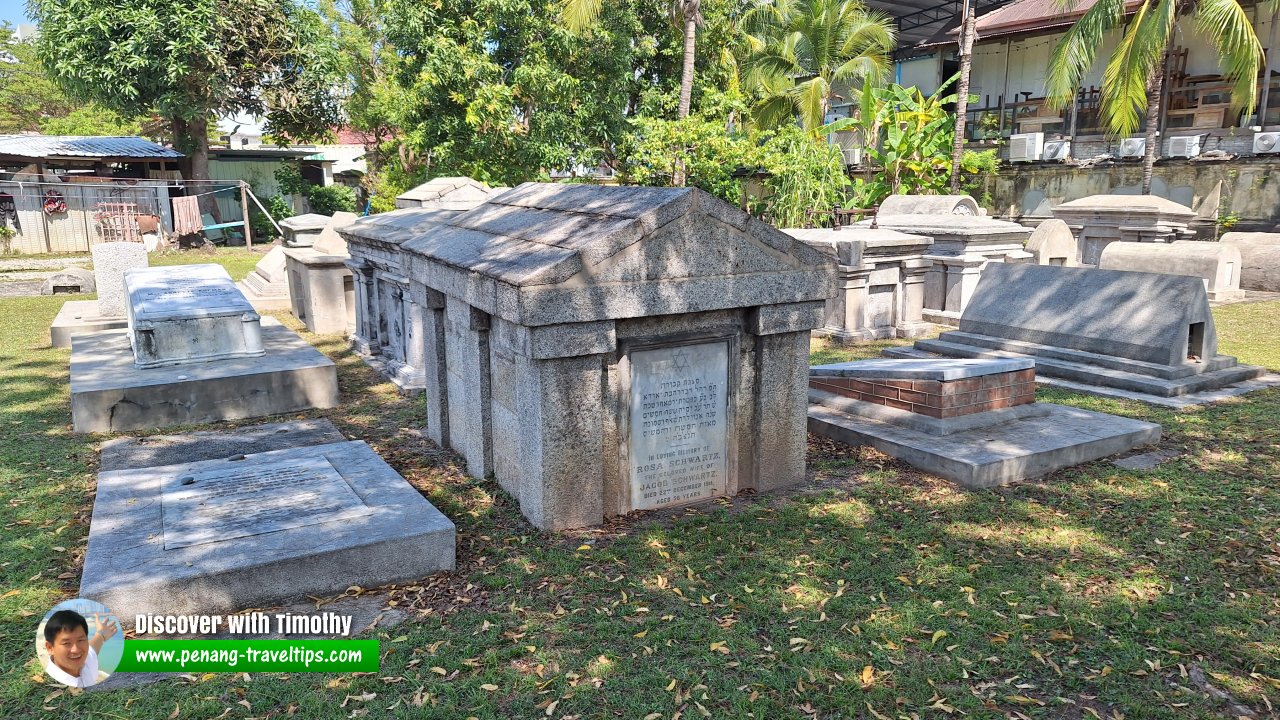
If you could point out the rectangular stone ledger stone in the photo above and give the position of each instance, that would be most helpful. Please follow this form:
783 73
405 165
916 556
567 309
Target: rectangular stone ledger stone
189 314
677 443
227 503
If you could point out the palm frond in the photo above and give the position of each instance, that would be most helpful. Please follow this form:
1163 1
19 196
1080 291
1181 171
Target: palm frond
1129 71
578 15
774 111
810 100
1076 51
1227 24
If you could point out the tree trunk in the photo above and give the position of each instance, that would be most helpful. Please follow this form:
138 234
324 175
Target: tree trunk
1154 86
962 95
686 75
686 84
192 138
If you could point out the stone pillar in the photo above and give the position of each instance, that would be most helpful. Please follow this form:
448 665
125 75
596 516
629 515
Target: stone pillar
853 292
411 373
911 322
435 378
362 338
935 283
467 365
779 424
962 280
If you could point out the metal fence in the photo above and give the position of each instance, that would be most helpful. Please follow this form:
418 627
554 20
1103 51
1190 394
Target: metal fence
72 216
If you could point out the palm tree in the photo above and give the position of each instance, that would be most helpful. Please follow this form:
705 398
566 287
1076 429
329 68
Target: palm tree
578 15
1134 75
800 50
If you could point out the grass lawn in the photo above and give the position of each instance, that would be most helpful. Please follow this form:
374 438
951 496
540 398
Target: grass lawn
873 592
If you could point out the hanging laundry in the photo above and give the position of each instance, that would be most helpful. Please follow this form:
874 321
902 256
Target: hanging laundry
9 212
186 215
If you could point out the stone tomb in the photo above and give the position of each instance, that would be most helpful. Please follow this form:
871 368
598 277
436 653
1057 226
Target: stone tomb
605 349
321 289
1099 220
1259 259
221 535
445 193
975 422
881 282
69 280
1217 264
1144 335
303 230
387 311
929 205
962 247
267 287
189 314
110 261
1052 243
195 352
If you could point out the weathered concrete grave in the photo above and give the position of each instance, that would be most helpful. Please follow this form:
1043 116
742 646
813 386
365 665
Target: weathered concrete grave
972 421
189 314
445 193
321 289
1217 264
1099 220
1259 258
1143 335
963 246
303 230
605 349
929 205
881 282
387 311
108 312
267 287
69 280
221 535
1052 243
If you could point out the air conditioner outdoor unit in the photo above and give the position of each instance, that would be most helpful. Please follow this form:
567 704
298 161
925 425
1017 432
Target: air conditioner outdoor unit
1133 147
1187 146
852 156
1026 147
1266 142
1057 150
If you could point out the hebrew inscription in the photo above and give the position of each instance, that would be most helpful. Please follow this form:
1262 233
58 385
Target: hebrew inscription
678 444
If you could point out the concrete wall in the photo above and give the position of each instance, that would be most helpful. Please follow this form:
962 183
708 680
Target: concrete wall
1248 188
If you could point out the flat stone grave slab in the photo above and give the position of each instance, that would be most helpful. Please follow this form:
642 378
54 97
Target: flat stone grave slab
80 317
189 314
255 530
999 454
940 370
109 393
129 453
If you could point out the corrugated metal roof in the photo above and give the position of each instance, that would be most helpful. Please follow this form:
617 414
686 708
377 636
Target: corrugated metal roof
58 146
1035 15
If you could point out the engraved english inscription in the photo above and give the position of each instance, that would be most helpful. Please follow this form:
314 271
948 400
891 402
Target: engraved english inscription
678 444
239 501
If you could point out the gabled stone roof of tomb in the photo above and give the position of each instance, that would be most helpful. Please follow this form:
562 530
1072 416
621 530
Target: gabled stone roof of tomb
547 234
397 226
1128 203
440 187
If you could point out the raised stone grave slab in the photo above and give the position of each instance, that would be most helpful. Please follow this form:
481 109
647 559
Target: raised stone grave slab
1217 264
267 287
975 422
303 230
247 531
81 317
1145 333
189 314
1260 259
130 453
109 393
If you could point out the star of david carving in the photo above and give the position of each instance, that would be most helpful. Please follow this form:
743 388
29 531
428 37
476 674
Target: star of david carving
680 360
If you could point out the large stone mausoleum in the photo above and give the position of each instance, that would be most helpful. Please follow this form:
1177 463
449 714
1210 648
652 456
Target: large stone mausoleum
600 350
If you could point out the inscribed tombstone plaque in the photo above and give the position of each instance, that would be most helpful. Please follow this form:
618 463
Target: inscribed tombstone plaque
227 503
678 443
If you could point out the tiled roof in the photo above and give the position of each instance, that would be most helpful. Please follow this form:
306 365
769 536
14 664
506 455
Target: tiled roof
61 146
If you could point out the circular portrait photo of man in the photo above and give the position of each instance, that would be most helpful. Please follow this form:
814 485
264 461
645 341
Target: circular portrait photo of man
79 643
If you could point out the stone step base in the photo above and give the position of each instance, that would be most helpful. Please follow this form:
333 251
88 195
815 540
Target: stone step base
1219 362
1103 376
994 455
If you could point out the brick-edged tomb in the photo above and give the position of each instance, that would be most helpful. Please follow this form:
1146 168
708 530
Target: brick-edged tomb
972 421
